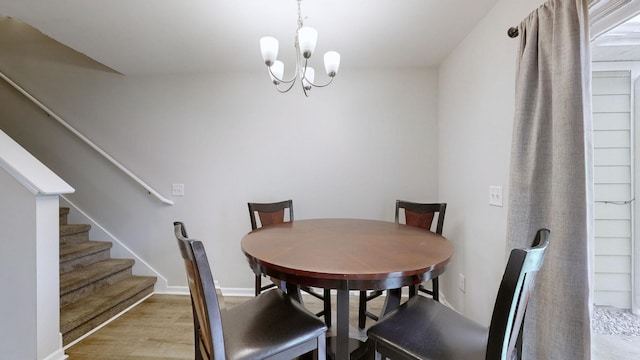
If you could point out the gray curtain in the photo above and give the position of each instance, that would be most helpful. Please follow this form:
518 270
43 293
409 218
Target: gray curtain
551 175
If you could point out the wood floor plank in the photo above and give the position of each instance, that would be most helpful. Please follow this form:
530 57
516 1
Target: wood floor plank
161 328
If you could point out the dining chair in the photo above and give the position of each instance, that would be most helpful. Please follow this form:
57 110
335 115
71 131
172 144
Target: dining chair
423 328
268 214
269 326
271 214
419 215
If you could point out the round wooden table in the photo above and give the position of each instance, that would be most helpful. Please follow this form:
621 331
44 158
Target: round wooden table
347 254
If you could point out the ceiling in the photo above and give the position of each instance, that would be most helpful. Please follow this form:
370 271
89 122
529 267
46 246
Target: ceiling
621 43
180 36
615 30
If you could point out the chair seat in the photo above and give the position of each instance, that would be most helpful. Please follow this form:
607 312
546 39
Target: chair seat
440 332
267 325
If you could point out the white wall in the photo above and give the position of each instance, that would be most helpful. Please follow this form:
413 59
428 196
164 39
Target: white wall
18 310
476 109
350 150
29 257
368 139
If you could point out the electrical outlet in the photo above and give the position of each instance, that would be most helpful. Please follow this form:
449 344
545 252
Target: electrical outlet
177 189
461 282
495 195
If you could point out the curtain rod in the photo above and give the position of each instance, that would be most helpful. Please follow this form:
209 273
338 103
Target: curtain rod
513 32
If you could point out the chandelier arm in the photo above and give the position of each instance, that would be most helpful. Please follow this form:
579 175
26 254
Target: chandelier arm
304 77
287 89
293 79
301 70
323 85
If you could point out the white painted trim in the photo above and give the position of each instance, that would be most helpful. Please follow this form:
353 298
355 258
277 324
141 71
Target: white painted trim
57 355
635 209
618 12
29 171
175 290
141 266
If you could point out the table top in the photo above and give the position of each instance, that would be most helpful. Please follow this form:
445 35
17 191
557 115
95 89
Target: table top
348 254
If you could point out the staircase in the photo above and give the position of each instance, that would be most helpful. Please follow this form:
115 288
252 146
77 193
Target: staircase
93 286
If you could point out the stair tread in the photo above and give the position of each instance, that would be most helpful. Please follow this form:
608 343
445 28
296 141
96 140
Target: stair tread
91 273
71 229
74 250
93 286
75 314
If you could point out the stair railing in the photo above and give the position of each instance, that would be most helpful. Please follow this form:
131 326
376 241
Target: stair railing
115 162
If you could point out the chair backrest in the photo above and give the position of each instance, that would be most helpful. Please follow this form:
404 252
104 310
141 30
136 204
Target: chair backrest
421 215
204 298
270 213
513 296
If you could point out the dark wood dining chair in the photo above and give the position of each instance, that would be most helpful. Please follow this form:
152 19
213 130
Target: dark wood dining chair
269 326
423 328
268 214
418 215
274 213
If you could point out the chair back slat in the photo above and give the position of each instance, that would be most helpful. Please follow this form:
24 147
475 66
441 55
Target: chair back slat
271 218
514 293
270 213
418 220
421 214
203 295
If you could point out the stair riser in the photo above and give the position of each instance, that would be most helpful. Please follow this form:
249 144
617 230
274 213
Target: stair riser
93 286
63 215
79 294
89 259
74 238
89 325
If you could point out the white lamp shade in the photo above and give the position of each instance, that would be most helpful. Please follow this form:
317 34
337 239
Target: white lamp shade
269 49
307 39
331 63
277 70
309 77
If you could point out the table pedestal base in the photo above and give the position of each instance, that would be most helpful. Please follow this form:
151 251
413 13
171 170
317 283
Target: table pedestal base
357 348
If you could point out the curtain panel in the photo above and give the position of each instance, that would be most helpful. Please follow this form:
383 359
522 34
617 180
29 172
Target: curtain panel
551 176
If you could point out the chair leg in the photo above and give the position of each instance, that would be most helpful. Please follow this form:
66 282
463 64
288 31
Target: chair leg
436 290
196 330
321 353
327 307
413 290
376 354
362 310
258 285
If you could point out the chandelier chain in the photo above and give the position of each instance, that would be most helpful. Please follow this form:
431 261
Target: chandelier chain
300 24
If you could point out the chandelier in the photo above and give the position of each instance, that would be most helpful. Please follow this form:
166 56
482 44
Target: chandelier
305 44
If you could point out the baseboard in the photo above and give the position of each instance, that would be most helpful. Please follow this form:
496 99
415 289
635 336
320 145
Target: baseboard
57 355
141 267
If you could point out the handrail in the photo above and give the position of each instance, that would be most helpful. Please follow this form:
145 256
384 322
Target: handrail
115 162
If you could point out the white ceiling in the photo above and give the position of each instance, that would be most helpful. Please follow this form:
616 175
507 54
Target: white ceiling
615 30
622 43
173 36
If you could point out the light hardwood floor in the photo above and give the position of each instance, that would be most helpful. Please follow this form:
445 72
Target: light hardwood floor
161 327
